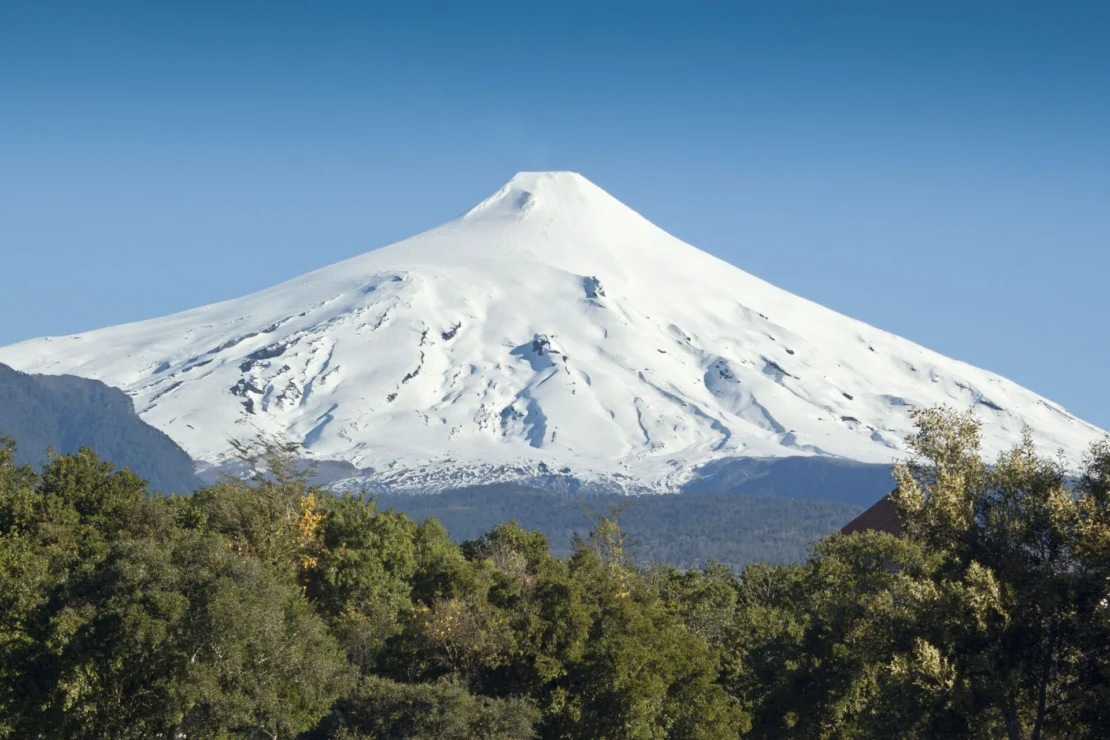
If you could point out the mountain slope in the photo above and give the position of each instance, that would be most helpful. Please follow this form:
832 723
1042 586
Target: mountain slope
549 332
66 413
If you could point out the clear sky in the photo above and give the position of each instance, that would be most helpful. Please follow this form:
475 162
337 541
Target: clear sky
940 170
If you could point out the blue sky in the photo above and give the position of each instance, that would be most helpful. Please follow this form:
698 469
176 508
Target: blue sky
940 170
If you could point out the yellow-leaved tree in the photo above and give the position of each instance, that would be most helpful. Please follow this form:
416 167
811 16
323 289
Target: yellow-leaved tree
271 510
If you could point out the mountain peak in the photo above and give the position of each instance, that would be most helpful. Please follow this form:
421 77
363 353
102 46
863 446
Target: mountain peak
534 178
554 192
550 328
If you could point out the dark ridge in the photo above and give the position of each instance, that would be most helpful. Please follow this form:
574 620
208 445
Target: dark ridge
415 372
268 352
237 340
202 363
65 413
803 478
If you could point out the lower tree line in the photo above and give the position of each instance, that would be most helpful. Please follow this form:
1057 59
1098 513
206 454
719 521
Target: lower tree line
263 608
687 530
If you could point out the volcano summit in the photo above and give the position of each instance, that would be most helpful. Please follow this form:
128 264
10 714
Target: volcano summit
549 330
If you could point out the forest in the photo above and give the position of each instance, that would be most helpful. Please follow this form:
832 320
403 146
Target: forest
687 530
263 607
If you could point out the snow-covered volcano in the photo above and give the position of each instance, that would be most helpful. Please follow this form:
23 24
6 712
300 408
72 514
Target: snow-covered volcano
550 329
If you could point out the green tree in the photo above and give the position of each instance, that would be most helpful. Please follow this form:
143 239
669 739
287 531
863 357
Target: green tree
811 645
184 636
273 513
1006 606
543 606
118 624
986 620
362 580
262 608
383 709
643 674
1088 697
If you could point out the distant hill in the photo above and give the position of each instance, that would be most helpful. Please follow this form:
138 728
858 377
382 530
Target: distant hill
798 478
685 530
66 412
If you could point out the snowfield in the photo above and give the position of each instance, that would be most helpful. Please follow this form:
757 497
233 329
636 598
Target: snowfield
550 331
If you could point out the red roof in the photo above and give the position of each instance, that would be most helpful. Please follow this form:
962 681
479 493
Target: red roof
881 517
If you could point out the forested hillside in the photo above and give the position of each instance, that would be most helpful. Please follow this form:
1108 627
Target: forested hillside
261 608
687 530
65 413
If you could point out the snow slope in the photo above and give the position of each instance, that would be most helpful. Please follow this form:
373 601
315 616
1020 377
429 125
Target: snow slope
548 330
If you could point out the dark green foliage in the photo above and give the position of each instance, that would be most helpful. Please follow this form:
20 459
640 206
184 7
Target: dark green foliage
183 635
117 623
65 413
643 674
988 620
261 608
383 709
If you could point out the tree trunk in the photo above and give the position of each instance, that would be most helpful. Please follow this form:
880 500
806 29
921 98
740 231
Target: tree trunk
1046 674
1010 714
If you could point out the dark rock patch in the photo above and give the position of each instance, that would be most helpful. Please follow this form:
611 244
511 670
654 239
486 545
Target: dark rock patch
244 337
268 352
415 372
202 363
169 389
243 387
593 288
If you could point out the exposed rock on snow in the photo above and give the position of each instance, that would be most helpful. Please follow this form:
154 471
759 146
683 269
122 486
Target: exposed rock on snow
550 328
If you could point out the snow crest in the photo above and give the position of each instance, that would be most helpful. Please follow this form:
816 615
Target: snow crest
548 331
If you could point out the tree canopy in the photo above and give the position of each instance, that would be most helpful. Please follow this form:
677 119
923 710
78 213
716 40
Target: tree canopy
262 607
